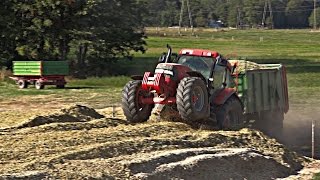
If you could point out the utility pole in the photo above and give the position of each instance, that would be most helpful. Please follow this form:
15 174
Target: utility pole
271 14
315 15
181 15
239 18
267 5
189 15
264 13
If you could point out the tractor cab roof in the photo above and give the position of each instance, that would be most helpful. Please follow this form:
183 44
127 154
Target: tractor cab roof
199 52
207 53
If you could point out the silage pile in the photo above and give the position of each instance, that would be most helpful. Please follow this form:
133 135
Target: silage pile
243 65
76 113
106 148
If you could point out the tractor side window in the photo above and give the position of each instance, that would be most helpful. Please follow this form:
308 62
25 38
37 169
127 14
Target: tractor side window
229 80
218 76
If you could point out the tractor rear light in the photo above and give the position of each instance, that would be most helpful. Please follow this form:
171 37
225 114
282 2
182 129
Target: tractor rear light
209 54
187 51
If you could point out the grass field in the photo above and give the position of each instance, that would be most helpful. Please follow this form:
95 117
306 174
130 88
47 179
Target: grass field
297 49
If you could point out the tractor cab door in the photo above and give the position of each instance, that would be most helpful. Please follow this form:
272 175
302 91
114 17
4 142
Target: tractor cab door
221 77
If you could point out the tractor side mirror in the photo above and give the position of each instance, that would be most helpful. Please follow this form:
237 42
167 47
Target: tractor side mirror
221 61
234 68
162 58
168 57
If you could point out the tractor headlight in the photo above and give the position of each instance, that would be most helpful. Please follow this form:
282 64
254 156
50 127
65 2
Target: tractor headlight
164 71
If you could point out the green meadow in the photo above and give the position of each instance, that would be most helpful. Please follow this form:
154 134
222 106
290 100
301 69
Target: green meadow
298 50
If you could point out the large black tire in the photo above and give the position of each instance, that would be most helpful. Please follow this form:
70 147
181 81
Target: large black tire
38 85
22 84
230 114
134 111
192 99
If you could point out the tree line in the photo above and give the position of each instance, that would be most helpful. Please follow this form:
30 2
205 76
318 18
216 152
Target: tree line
93 34
283 13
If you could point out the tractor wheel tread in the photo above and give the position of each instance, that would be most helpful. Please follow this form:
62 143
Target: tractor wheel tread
184 99
232 105
130 106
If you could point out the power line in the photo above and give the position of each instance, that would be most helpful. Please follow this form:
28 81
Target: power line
293 10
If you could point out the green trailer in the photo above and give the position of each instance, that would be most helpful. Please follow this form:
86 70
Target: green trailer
40 73
263 90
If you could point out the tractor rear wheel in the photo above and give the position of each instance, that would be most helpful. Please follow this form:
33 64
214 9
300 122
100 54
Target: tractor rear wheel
230 114
133 109
22 84
192 99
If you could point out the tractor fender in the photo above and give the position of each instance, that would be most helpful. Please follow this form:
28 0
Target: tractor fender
197 74
224 95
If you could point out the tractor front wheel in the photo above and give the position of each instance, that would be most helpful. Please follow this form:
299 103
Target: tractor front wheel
192 99
133 109
230 114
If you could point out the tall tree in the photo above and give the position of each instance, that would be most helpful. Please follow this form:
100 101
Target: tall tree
253 10
110 29
9 32
311 18
98 31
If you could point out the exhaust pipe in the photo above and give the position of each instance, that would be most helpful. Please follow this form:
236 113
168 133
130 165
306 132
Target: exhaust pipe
168 57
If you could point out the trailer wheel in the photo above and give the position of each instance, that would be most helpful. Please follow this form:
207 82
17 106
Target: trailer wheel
22 84
39 85
230 114
192 99
134 110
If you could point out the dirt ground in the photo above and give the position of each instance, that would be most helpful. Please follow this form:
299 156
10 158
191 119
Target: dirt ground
78 142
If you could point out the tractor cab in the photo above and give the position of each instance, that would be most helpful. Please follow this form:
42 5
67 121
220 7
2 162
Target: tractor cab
202 61
213 67
200 64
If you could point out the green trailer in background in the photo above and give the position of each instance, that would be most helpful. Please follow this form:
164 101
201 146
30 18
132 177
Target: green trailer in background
40 73
263 90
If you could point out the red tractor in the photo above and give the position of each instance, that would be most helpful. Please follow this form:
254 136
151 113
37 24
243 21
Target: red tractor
198 82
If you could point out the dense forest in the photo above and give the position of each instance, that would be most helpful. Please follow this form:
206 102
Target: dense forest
91 34
283 13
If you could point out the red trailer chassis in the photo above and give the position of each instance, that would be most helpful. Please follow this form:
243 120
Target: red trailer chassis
39 81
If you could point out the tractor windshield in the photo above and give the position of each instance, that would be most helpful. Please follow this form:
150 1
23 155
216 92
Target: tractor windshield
197 63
